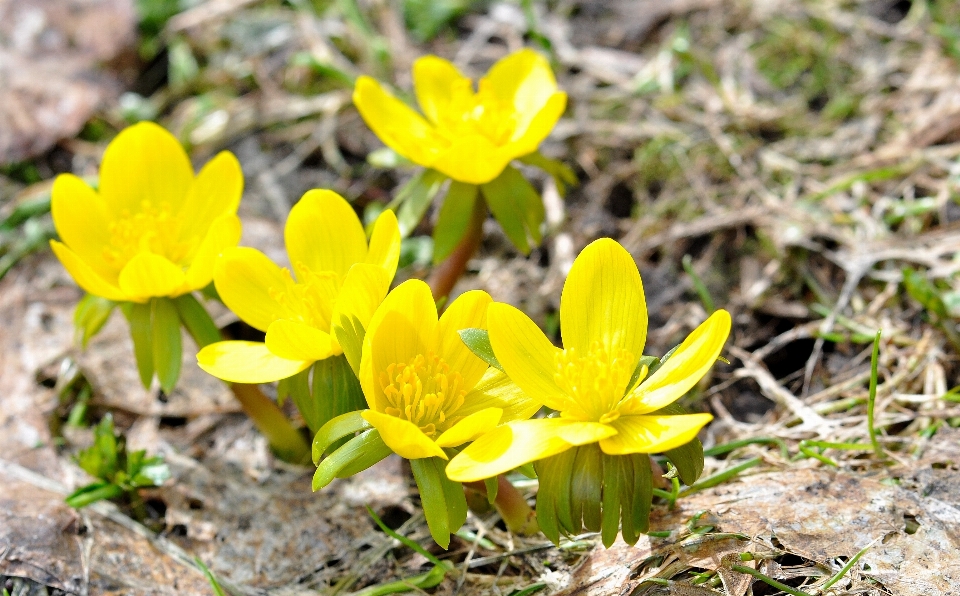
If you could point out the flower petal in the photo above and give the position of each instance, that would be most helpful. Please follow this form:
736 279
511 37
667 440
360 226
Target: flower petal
363 289
470 427
145 163
496 390
652 434
82 221
472 159
584 433
402 328
223 233
508 446
247 362
147 275
296 341
214 193
403 437
84 275
469 310
684 368
523 79
529 134
435 82
603 301
244 278
526 354
324 233
398 126
385 243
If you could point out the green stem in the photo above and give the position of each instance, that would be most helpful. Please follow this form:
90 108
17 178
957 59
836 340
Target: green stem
511 505
872 400
769 581
446 274
283 437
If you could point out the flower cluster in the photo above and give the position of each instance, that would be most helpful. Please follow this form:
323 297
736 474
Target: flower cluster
466 395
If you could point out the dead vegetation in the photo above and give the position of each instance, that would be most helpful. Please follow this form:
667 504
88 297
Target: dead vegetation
797 163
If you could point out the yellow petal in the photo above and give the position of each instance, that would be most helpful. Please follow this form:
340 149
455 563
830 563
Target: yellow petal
324 233
402 328
469 310
496 390
244 277
528 135
470 427
653 434
403 437
296 341
223 233
523 79
603 301
214 193
385 243
247 362
693 358
472 159
364 288
435 82
147 275
399 127
84 275
145 163
584 433
82 221
526 354
507 447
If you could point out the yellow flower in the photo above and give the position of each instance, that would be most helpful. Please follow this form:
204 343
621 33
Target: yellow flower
426 390
152 229
469 136
591 381
335 274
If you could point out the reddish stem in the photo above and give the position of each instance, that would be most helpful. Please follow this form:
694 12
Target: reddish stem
511 505
446 274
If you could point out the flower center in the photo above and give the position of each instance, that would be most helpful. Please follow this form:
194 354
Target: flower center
424 391
594 382
481 112
153 229
310 299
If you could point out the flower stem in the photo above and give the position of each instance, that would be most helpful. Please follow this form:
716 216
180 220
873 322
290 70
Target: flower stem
511 505
283 437
446 274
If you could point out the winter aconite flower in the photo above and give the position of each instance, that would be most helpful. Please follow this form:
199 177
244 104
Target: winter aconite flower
152 228
427 395
468 135
337 277
601 389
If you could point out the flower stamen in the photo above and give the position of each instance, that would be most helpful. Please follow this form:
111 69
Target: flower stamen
424 391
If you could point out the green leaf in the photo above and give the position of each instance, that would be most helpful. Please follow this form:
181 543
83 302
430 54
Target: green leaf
414 198
586 487
335 429
336 391
91 493
385 157
153 472
453 495
648 363
197 320
642 491
493 486
374 450
561 173
454 219
167 346
139 317
628 527
478 342
611 499
350 332
517 206
425 18
432 498
344 456
91 315
687 458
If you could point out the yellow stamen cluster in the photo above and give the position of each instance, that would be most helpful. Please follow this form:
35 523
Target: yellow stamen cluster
480 112
309 299
425 392
153 229
594 382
